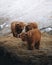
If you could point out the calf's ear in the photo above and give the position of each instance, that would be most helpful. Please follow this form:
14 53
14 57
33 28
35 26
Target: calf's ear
29 34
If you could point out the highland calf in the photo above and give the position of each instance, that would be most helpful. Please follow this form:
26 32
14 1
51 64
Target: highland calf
17 27
31 26
32 37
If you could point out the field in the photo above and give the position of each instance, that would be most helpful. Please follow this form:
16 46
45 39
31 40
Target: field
13 51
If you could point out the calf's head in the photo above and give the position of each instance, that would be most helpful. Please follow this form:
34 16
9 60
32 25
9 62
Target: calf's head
18 28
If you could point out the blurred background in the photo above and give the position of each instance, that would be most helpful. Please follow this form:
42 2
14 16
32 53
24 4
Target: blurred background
39 11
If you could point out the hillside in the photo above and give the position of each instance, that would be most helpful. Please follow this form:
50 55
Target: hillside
13 51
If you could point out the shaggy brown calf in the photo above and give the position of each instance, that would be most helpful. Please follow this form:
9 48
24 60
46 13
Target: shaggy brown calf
31 26
32 38
17 27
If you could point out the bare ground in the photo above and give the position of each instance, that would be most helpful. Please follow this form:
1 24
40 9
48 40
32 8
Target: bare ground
13 51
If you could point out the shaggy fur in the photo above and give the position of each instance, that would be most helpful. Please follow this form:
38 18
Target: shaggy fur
16 28
32 38
31 26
